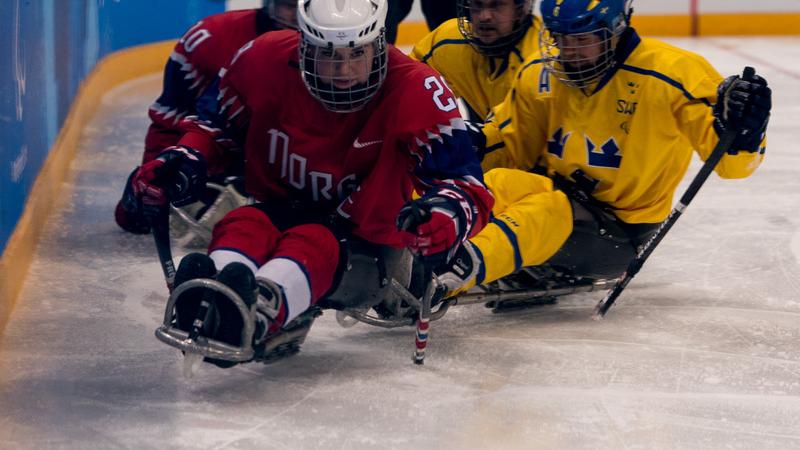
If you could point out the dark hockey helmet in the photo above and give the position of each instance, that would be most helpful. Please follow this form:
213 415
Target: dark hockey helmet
579 37
343 54
282 12
494 27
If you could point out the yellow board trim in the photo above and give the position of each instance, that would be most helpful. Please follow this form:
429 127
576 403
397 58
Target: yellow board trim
409 33
719 24
111 71
749 24
662 25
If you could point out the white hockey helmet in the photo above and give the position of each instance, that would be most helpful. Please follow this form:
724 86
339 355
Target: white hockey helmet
343 55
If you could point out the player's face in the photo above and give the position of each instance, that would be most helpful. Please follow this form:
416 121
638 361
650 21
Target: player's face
286 11
492 19
580 50
344 68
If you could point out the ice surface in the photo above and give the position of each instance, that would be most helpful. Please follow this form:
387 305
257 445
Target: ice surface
701 351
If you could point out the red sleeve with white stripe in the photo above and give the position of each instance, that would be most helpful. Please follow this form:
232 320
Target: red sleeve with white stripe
221 122
447 165
184 81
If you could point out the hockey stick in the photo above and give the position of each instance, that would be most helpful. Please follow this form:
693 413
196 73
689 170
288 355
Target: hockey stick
419 216
160 226
424 319
159 223
725 143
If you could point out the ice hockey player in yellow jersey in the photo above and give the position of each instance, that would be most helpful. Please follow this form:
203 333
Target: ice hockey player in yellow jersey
480 51
610 119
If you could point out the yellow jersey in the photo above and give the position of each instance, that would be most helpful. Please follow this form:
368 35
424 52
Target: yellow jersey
481 81
633 137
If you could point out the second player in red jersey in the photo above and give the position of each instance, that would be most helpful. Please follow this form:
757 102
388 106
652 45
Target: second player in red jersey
337 129
192 67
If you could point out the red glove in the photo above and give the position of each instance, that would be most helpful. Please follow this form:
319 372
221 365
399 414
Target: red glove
439 234
148 185
128 214
178 175
436 224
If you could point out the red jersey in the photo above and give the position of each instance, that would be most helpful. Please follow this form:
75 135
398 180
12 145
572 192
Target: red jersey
362 165
195 62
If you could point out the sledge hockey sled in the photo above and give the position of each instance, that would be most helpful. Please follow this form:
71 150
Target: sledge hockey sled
379 286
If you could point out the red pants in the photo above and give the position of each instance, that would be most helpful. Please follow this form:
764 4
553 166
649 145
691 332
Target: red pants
250 231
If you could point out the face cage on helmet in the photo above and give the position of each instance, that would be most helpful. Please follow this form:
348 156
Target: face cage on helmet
503 45
348 99
578 72
272 5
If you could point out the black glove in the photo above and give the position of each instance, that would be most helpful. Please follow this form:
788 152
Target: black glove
177 175
128 213
743 105
436 224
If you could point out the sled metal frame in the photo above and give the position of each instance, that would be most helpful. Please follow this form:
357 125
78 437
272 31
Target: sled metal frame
490 294
486 294
209 348
193 224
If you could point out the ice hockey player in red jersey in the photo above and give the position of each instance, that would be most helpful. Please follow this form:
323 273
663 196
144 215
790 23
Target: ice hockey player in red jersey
192 67
338 129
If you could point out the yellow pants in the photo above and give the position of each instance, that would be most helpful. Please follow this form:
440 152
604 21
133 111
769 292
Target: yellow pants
530 222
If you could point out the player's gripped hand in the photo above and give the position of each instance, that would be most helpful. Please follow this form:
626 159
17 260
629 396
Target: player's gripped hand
743 105
128 214
178 175
436 235
435 225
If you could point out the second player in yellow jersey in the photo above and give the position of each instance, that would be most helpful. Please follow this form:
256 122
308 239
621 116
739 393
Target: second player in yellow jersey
611 121
480 52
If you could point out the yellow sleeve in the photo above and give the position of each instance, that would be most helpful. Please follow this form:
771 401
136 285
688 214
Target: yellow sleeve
698 119
516 129
423 47
445 33
444 60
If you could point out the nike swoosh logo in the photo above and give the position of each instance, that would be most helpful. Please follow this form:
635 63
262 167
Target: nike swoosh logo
357 144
